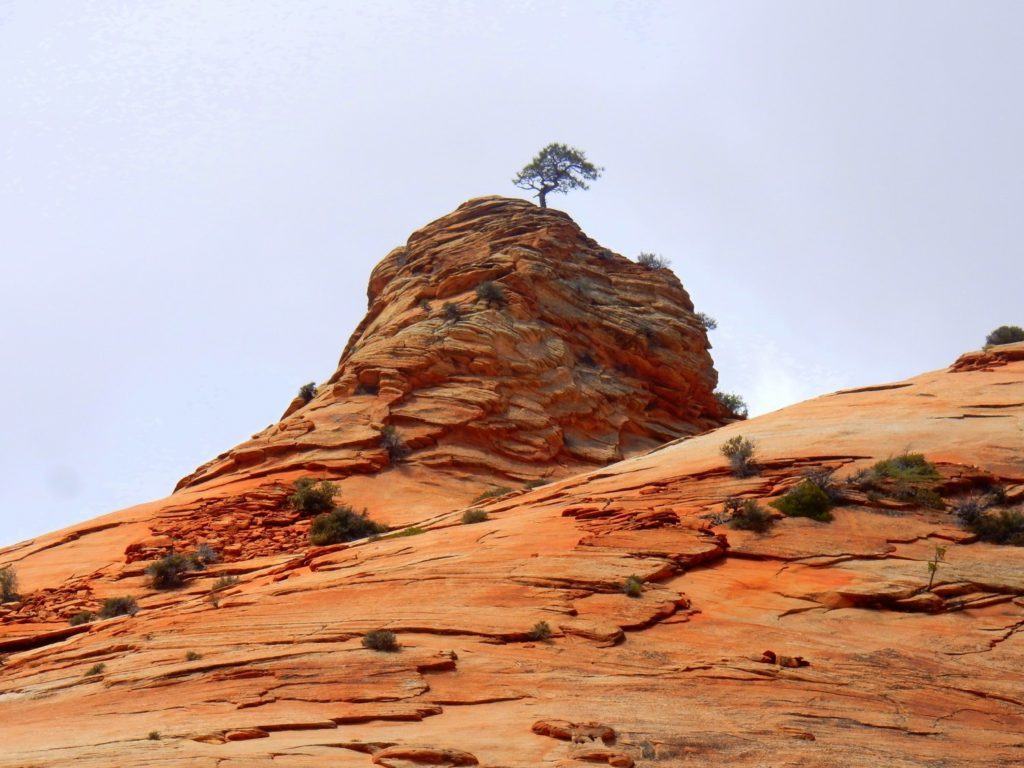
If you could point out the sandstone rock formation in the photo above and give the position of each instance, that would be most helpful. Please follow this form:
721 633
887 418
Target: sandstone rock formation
812 644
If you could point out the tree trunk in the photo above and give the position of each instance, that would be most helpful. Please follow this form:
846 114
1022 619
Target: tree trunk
542 194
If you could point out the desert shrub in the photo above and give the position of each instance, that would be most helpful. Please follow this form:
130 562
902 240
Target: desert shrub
540 631
193 656
381 640
747 515
707 321
452 313
82 617
203 556
908 477
825 479
169 571
1005 334
312 497
805 500
118 606
392 443
740 453
154 736
8 584
652 261
341 525
493 493
734 404
95 669
633 586
909 467
491 293
224 582
996 526
412 530
471 516
307 391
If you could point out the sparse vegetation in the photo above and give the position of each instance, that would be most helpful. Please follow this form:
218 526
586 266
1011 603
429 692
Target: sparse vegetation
908 477
118 606
311 497
825 479
805 500
540 632
154 736
8 584
933 565
491 293
341 525
633 586
732 403
381 640
1005 334
452 313
493 493
986 517
168 572
747 515
94 670
224 582
392 443
193 656
707 321
82 617
531 484
740 453
203 556
471 516
307 391
412 530
556 168
652 261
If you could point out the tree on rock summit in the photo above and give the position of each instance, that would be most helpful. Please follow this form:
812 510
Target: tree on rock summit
557 168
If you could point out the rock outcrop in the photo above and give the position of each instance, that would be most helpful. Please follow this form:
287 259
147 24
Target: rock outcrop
612 616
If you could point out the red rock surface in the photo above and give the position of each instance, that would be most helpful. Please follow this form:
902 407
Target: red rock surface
814 644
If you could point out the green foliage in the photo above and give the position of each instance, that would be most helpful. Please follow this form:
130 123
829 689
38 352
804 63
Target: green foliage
805 500
493 493
732 403
412 530
312 497
908 467
825 479
933 564
307 391
169 572
652 261
118 606
540 632
747 515
1005 334
224 582
392 443
82 617
707 321
531 484
999 526
193 656
203 556
341 525
556 168
633 586
908 477
740 453
452 313
381 640
94 670
491 293
471 516
8 584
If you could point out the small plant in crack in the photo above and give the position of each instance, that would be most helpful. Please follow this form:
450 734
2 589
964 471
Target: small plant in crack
939 556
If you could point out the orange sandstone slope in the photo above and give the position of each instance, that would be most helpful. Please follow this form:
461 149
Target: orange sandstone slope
868 663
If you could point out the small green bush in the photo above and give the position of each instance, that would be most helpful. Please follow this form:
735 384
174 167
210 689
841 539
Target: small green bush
493 493
652 261
8 584
633 586
311 497
805 500
392 443
734 404
1000 526
82 617
471 516
94 670
452 313
381 640
1005 334
491 293
825 479
707 321
307 391
412 530
118 606
747 515
908 467
540 632
740 453
169 572
341 525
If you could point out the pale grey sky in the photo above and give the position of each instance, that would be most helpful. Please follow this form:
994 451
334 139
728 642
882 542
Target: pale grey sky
193 194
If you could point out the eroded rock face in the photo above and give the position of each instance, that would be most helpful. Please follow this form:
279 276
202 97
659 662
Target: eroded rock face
580 358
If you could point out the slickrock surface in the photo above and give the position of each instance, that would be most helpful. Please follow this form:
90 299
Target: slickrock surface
814 644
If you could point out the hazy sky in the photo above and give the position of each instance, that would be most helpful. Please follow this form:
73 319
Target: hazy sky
193 194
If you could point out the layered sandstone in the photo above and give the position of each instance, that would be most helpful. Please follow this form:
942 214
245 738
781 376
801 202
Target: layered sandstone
813 644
